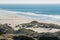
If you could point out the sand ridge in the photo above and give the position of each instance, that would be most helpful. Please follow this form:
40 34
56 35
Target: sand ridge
15 20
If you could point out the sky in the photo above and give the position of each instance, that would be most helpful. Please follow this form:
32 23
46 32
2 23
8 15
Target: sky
29 1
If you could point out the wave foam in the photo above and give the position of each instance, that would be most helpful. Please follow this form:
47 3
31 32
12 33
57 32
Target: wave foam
32 15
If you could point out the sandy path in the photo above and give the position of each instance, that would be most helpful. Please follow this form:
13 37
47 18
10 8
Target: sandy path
39 30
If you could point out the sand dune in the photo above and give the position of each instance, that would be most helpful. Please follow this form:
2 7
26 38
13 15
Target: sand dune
15 20
39 30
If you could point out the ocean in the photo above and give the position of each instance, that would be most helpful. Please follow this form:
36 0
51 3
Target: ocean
50 12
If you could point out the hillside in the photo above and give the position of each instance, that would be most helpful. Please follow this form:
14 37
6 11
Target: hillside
36 24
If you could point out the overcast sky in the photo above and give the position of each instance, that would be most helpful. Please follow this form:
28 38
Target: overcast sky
29 1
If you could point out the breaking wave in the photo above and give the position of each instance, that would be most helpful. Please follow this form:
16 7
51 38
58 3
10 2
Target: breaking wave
32 15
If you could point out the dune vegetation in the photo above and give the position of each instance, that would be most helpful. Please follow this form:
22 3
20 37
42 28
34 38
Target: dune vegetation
8 33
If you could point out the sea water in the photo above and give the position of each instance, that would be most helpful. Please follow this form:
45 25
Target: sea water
49 12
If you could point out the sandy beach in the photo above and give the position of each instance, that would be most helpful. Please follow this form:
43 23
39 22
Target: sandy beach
15 20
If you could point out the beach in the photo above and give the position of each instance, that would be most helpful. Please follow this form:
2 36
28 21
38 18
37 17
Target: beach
29 21
15 20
